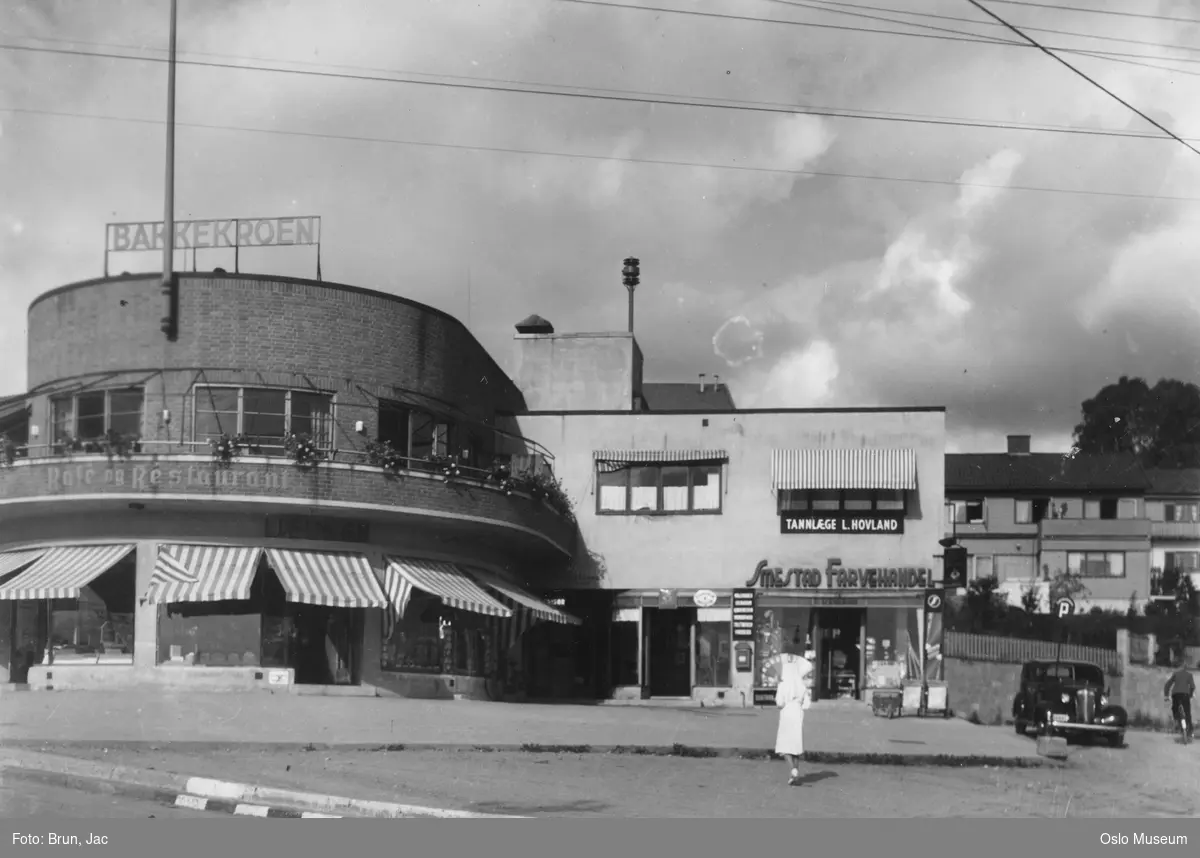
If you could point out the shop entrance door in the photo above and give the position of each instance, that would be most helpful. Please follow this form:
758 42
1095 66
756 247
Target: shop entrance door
839 654
669 651
325 648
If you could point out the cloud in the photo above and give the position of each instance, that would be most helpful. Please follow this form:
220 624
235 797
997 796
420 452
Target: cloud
800 379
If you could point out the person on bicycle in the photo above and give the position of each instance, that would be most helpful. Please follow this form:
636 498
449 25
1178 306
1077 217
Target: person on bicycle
1180 689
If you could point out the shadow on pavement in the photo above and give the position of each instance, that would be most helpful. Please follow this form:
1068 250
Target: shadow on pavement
815 778
581 806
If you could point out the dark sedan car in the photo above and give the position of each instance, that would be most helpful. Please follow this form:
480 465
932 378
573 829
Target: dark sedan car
1069 699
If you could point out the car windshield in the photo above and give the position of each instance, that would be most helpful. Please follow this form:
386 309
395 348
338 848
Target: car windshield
1088 673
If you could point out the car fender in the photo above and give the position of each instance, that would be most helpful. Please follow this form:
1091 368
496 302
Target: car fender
1117 712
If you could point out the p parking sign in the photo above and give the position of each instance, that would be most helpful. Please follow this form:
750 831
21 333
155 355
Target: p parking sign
1064 607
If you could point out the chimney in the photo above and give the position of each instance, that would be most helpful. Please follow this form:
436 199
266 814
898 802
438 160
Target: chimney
1018 445
716 381
534 324
702 382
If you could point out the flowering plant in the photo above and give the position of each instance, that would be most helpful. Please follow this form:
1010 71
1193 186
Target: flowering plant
539 486
121 446
302 448
382 454
447 465
8 450
226 447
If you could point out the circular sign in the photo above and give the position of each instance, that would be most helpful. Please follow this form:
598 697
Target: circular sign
705 598
933 601
1064 607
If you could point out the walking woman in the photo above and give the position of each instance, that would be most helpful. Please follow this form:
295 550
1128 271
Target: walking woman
793 696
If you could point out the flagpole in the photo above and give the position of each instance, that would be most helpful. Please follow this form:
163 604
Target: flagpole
169 191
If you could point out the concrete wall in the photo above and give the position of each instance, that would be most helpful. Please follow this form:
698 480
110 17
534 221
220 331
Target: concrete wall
577 372
721 551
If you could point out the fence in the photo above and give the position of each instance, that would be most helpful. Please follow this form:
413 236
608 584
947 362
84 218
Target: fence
1018 650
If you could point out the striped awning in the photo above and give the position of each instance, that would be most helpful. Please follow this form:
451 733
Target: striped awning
857 468
337 579
61 572
614 460
11 561
202 573
529 602
449 583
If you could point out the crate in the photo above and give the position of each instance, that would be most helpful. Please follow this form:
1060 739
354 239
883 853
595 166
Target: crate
886 702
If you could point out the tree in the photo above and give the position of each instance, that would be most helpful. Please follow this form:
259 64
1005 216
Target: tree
1066 585
1160 424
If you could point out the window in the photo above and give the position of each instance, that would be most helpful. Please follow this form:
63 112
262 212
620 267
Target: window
983 566
393 425
1014 567
849 500
1104 509
1096 564
967 511
1188 561
264 415
90 416
1181 512
1031 511
676 489
97 628
893 639
714 642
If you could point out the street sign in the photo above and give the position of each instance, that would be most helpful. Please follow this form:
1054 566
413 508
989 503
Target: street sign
934 601
1064 607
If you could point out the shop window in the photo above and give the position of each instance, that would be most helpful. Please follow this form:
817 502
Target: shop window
774 629
893 641
667 489
856 500
89 417
264 415
97 628
417 643
623 651
713 647
1096 564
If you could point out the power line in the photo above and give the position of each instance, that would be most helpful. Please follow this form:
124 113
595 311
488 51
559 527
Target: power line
590 157
970 38
1085 10
1090 80
931 15
627 97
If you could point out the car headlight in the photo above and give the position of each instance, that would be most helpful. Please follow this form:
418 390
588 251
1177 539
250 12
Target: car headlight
1066 698
1103 699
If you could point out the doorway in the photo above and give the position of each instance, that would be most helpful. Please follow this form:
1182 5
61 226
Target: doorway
668 651
325 645
839 653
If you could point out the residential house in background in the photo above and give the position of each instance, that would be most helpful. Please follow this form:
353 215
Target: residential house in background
1025 517
1173 507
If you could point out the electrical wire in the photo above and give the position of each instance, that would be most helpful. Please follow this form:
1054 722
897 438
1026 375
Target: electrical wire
1085 10
1085 76
581 156
633 97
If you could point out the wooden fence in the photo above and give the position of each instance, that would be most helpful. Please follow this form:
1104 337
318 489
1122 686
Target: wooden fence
1018 650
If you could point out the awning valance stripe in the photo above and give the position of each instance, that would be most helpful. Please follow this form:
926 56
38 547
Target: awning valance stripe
11 561
203 573
525 600
613 460
857 468
449 583
336 579
63 571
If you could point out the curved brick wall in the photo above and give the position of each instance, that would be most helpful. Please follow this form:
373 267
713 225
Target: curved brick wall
264 324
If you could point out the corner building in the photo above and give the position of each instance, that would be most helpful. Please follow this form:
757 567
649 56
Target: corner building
563 530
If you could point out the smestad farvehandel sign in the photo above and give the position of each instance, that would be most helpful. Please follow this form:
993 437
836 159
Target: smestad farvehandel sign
842 578
224 232
841 522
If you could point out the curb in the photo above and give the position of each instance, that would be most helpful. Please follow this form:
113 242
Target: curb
220 796
160 796
676 750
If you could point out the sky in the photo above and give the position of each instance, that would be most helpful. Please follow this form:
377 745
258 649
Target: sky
807 260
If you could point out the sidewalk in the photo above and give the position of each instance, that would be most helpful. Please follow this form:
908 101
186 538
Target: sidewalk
175 720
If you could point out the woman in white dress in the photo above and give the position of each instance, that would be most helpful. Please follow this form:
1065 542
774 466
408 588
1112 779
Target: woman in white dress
793 696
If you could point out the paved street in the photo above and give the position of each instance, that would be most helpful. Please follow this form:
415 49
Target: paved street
22 799
1151 777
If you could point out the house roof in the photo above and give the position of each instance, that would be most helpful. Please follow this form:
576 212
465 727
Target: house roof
1043 472
1174 481
686 396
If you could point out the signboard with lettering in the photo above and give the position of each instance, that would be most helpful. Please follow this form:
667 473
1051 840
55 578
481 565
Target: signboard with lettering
842 522
841 578
743 615
764 697
153 478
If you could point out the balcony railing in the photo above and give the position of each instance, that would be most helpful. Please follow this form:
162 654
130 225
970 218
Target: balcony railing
1084 528
1177 530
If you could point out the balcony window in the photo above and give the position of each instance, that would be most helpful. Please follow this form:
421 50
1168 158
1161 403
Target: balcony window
837 501
1096 564
1182 561
393 425
264 415
90 416
1104 509
1181 512
1031 511
967 511
667 489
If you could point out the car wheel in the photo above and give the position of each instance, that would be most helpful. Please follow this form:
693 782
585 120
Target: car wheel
1117 740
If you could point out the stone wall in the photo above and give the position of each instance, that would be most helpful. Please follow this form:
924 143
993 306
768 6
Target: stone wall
982 687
